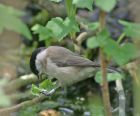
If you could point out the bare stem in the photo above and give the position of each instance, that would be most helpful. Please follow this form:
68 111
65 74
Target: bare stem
20 82
21 105
122 98
120 38
105 89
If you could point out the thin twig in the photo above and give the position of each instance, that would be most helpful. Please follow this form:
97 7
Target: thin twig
120 90
83 36
21 105
20 82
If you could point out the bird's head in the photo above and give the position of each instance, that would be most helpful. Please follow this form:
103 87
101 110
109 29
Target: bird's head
34 63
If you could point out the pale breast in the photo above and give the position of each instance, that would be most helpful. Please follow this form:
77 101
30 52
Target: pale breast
68 75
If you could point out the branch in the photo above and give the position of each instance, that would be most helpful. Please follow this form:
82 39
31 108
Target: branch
122 98
21 105
83 36
20 82
105 89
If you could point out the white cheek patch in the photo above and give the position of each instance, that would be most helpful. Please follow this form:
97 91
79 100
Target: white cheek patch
38 65
39 60
41 55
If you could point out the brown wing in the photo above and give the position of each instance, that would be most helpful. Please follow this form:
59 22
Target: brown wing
64 57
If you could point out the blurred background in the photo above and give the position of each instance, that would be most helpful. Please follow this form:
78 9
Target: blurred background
18 42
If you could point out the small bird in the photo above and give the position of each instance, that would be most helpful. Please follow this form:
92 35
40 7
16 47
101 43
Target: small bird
61 64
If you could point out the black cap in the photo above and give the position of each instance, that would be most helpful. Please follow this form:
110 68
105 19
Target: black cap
33 58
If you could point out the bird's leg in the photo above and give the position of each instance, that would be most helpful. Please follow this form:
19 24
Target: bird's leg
46 93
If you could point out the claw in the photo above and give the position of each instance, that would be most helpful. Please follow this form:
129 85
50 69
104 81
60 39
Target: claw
46 93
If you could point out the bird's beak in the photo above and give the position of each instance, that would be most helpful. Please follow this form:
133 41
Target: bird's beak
39 76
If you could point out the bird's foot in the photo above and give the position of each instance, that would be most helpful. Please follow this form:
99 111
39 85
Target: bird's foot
48 93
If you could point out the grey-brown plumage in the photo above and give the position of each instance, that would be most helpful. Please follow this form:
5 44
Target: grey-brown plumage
62 64
64 57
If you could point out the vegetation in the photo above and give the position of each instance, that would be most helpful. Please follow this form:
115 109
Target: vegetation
92 39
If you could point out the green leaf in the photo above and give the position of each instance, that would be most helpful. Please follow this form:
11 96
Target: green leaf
93 26
129 52
103 37
41 17
35 90
44 32
92 42
84 4
56 28
71 25
10 20
56 25
106 5
47 85
100 40
110 77
56 1
131 29
121 54
62 28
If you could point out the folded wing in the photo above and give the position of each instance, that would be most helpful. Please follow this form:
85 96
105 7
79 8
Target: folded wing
64 57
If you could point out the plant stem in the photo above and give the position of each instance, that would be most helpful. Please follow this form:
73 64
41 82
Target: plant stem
71 13
70 9
121 37
20 82
105 89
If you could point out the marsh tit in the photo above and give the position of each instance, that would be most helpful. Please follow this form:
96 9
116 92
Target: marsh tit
61 64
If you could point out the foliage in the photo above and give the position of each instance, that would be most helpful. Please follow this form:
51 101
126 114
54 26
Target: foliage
56 28
46 85
107 5
131 29
110 77
83 4
93 26
120 53
10 20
